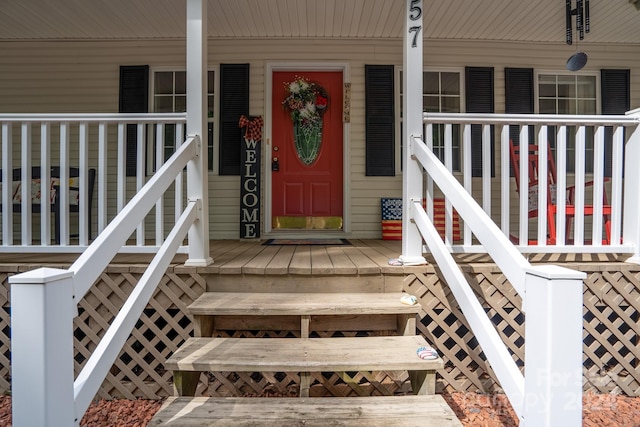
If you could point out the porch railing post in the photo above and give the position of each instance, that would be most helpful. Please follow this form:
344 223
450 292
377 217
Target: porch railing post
42 348
553 347
197 175
631 219
412 127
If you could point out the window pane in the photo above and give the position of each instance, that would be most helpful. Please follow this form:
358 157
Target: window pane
588 152
181 104
163 104
450 104
164 83
565 106
431 104
586 107
547 106
450 83
438 135
456 132
547 79
210 146
547 90
210 106
181 82
210 82
586 87
566 87
431 83
169 140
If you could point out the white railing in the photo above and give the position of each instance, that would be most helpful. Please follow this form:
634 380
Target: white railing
551 296
44 303
95 146
611 221
549 393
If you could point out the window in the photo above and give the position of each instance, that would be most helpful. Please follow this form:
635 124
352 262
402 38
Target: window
442 93
170 96
569 94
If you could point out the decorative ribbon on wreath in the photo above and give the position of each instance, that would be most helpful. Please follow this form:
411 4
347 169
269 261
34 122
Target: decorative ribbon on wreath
254 128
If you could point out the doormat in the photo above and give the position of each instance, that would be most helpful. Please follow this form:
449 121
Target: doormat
338 242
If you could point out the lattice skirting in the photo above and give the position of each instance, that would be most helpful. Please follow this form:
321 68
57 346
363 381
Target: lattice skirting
611 330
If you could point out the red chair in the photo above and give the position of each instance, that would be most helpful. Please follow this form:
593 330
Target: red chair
551 209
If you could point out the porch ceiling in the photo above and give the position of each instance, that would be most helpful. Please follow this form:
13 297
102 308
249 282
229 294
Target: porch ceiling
612 21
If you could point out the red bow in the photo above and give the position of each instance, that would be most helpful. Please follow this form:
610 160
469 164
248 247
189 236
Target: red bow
254 128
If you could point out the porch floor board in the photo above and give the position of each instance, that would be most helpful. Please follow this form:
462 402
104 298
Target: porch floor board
233 257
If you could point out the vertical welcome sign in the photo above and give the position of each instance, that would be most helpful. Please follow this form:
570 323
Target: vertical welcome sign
250 177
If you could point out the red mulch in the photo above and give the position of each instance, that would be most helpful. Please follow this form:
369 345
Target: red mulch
473 410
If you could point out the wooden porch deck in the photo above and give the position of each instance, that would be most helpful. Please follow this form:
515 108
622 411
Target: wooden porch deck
281 268
359 257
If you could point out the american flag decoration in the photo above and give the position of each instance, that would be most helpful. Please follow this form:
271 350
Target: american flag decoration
391 219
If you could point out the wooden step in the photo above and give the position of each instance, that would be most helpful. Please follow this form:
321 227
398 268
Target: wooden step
376 411
283 304
383 311
385 353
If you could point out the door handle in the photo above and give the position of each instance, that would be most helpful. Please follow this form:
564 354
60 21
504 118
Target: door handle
275 164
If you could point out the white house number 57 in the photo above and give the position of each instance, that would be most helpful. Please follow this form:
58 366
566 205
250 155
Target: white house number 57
415 12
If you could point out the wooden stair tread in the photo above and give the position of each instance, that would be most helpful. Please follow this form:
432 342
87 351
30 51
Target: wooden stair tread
302 355
272 304
374 411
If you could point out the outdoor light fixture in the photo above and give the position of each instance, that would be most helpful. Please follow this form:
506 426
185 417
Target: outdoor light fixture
579 59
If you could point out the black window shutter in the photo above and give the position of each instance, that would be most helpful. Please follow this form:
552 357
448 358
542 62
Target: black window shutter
615 86
519 90
380 120
134 98
234 102
519 99
479 99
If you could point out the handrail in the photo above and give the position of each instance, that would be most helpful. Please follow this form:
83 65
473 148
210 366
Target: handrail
95 370
93 117
543 119
89 265
551 296
506 370
55 294
508 258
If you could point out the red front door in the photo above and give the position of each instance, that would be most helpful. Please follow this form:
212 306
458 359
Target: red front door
307 149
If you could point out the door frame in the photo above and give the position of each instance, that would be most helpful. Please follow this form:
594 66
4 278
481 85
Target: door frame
272 67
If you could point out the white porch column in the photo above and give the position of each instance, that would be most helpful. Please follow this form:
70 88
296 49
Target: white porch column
553 347
631 215
197 171
42 313
412 127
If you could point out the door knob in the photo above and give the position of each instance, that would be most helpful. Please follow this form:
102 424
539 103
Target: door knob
275 165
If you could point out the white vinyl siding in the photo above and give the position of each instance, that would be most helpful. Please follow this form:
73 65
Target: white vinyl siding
82 76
